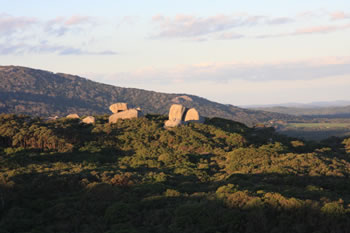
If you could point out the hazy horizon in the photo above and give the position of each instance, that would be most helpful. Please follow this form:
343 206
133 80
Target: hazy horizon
239 53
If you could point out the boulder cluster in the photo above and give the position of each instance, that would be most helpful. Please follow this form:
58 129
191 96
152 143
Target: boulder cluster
86 120
179 115
121 111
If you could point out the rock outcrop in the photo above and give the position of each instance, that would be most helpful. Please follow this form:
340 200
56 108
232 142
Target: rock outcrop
73 116
175 123
192 115
179 115
177 112
118 107
128 114
89 120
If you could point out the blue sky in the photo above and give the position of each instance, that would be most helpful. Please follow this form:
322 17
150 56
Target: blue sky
235 52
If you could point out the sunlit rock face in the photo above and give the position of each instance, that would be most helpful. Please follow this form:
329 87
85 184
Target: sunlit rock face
89 120
118 107
179 115
128 114
177 112
192 115
73 116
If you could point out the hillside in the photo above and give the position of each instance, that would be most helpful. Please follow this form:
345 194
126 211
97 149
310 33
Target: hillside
326 112
36 92
136 176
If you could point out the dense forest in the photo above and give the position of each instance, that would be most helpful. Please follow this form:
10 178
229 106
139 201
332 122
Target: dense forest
137 176
42 93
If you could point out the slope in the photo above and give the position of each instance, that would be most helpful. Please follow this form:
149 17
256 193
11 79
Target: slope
42 93
331 112
135 176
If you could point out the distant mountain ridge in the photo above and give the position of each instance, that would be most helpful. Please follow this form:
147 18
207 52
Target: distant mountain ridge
42 93
319 104
340 112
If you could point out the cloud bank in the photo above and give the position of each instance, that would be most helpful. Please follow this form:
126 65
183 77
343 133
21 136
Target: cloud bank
220 26
188 26
245 83
24 35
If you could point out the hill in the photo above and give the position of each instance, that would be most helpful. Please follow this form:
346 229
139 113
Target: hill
317 112
42 93
320 104
136 176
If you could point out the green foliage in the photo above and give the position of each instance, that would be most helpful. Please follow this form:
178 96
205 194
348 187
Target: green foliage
346 143
136 176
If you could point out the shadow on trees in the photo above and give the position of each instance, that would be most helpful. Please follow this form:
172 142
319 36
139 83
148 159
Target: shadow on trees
329 188
82 203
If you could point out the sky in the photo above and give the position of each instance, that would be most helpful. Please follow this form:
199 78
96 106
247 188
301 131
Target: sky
233 52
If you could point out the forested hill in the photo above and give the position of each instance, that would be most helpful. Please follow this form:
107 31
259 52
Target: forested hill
135 176
330 112
42 93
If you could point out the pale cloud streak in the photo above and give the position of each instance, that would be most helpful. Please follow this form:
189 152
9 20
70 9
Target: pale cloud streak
252 82
339 15
230 36
220 27
10 24
321 29
61 25
188 26
249 71
21 35
45 48
324 29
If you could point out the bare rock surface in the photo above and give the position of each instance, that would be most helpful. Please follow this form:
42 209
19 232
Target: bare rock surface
179 115
73 116
176 112
118 107
128 114
193 115
89 120
175 123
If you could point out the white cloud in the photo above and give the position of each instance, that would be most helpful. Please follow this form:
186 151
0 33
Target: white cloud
339 15
220 27
226 72
61 25
45 48
10 24
187 26
22 35
323 29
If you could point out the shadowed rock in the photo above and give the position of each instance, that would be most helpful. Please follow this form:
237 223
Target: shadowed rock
73 116
128 114
89 120
118 107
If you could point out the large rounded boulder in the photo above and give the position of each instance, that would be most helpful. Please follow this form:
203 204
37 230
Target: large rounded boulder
128 114
192 115
177 112
118 107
